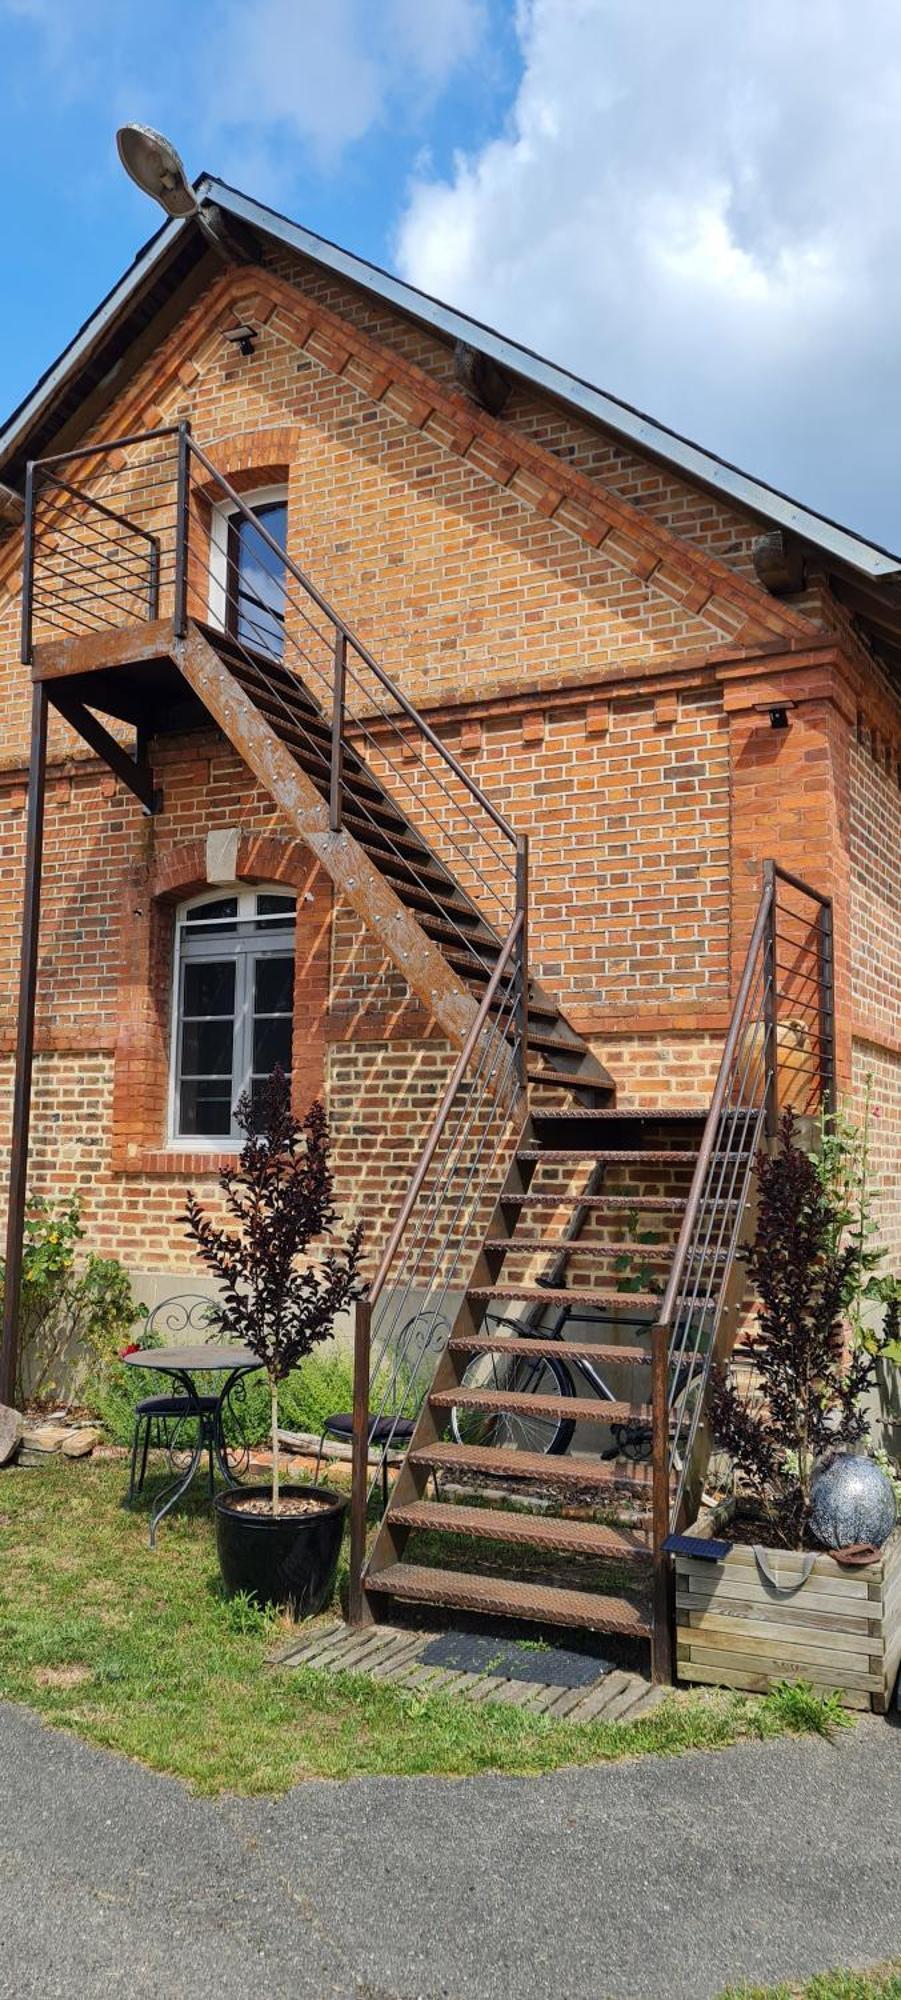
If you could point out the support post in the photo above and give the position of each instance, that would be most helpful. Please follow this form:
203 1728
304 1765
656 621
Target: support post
153 580
360 1466
827 1009
26 647
182 529
21 1116
771 1004
662 1642
337 766
522 909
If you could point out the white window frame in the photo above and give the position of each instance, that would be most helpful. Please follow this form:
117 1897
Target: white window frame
275 942
262 496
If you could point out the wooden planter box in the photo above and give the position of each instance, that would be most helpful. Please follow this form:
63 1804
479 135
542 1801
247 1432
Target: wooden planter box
841 1629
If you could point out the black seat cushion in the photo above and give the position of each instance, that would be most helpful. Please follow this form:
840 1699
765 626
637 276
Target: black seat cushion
381 1429
174 1406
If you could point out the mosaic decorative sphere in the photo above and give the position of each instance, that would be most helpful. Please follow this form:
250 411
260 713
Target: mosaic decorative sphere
852 1501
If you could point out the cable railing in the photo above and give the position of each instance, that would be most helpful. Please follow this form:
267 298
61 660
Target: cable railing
134 530
779 1055
406 1315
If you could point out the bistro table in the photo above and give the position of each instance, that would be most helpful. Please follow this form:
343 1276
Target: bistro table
183 1364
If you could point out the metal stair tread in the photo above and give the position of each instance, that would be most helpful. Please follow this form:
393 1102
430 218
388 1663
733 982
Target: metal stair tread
539 1531
554 1043
655 1204
539 1603
606 1155
543 1468
589 1410
567 1246
614 1114
583 1295
565 1350
566 1080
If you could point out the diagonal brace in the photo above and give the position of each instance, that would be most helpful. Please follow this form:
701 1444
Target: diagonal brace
135 772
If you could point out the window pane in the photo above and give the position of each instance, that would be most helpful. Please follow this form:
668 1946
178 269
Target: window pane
206 1049
216 916
272 1045
273 991
277 909
204 1111
257 580
209 987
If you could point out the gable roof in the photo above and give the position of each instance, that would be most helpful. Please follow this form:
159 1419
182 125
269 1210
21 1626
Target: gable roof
172 267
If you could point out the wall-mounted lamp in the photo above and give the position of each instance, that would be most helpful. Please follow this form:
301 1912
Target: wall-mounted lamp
242 337
777 712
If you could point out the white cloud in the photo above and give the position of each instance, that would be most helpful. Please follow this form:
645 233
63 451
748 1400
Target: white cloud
326 71
696 207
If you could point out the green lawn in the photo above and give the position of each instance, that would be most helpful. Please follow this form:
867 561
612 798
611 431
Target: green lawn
882 1984
137 1650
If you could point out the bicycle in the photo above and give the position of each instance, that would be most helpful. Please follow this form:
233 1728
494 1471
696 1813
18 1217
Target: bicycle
545 1375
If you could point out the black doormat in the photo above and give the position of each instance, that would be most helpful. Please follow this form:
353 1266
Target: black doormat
514 1660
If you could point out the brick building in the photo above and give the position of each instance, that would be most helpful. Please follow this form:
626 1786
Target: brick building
598 618
427 721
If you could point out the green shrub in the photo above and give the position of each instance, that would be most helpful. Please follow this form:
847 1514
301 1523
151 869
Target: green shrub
320 1386
73 1317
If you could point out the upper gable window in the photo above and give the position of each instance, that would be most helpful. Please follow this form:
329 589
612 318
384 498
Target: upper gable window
247 577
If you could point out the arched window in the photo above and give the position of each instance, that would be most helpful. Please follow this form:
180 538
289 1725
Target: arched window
247 578
233 1001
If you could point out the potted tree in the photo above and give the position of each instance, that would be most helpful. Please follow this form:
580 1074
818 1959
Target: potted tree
280 1545
784 1594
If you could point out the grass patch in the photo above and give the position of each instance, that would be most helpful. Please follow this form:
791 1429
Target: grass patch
138 1651
883 1983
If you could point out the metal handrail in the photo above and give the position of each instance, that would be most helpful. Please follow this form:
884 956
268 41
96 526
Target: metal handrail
717 1101
510 964
351 639
745 1105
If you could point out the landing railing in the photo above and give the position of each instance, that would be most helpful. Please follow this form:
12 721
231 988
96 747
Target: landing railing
140 529
405 1318
779 1054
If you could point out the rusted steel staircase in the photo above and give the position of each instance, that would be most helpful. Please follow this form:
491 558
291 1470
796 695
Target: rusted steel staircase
537 1204
638 1166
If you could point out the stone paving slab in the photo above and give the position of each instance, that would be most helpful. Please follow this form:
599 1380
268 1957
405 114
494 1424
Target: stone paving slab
497 1670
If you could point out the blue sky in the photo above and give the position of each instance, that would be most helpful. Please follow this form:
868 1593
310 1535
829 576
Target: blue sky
694 207
73 70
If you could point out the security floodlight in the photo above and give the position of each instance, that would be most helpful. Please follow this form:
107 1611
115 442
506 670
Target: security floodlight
153 164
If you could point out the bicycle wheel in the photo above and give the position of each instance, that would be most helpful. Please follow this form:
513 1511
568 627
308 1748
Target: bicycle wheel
515 1430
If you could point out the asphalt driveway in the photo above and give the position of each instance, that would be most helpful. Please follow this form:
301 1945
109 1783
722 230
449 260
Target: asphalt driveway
658 1880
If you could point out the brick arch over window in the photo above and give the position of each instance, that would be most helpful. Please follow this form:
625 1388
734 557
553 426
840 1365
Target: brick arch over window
141 1074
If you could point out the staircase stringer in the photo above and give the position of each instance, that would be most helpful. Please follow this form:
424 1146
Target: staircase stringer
420 962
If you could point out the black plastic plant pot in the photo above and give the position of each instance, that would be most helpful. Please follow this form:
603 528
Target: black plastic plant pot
290 1560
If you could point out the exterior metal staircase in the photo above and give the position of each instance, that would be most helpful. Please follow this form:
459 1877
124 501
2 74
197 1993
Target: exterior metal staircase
548 1238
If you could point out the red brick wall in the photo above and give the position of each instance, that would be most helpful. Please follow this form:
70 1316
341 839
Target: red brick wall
875 947
584 674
